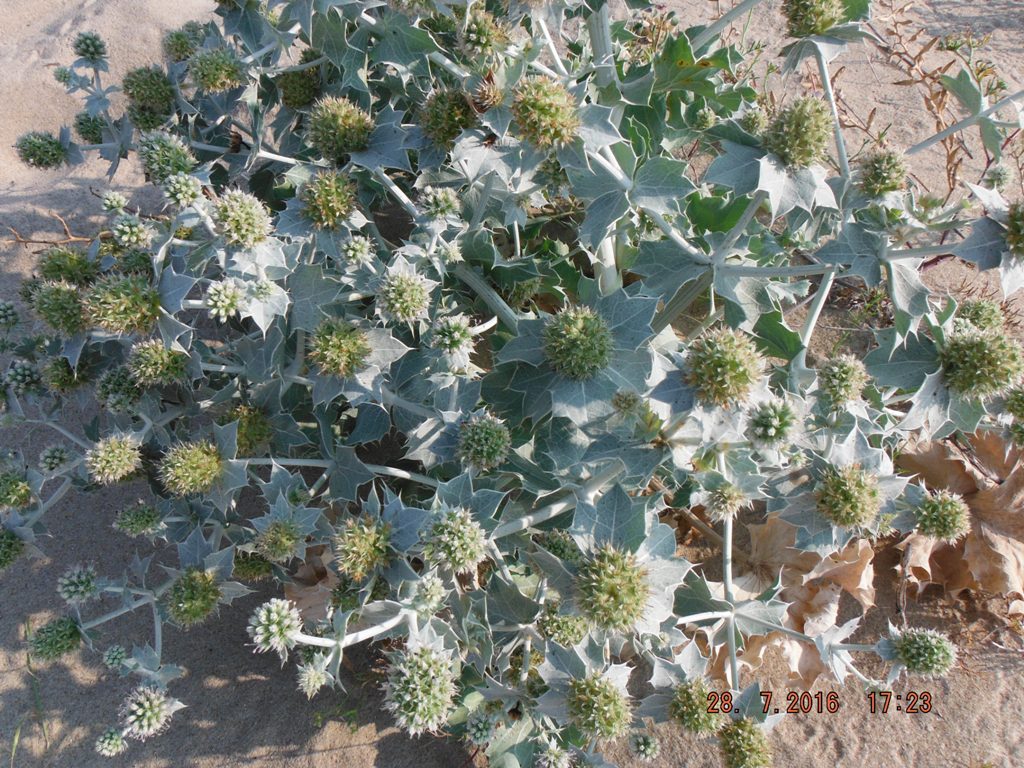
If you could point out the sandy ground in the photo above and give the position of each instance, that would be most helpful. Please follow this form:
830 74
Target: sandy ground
243 708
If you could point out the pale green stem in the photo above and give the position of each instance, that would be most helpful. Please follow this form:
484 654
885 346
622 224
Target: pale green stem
683 299
599 31
712 31
826 83
800 361
390 398
551 45
127 608
56 496
727 583
740 226
744 270
490 297
396 192
967 122
57 427
918 253
706 616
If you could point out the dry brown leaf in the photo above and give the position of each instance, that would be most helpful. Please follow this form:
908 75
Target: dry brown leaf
312 587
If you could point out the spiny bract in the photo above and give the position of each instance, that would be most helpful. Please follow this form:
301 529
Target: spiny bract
578 342
545 112
613 589
925 652
723 366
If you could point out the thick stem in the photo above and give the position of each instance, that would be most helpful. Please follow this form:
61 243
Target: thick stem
967 122
127 608
800 361
722 251
488 295
396 192
683 299
600 33
826 83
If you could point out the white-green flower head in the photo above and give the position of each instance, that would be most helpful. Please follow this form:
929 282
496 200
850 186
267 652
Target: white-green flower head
440 202
313 676
15 492
191 468
544 112
114 202
562 628
358 250
59 304
55 639
924 651
446 113
111 743
812 17
8 314
724 501
997 177
89 127
944 516
578 342
724 366
552 755
882 172
163 155
613 588
480 727
361 546
113 458
41 149
484 441
182 189
848 496
139 519
979 364
78 584
645 746
132 232
430 595
982 314
598 707
122 304
337 127
403 295
23 378
243 219
689 707
453 337
329 199
274 627
179 44
800 133
744 745
339 348
226 298
151 363
53 458
455 541
193 597
482 36
90 46
216 70
773 422
114 657
842 379
280 540
420 689
147 712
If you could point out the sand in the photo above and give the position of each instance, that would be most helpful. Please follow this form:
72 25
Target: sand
244 709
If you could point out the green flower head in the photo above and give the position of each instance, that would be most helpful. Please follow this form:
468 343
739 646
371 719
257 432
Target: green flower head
40 149
598 708
117 391
191 468
562 628
772 422
645 746
11 548
848 496
723 366
982 314
329 198
881 172
150 97
279 541
420 690
151 364
192 597
544 112
130 231
90 46
23 378
403 295
339 348
613 589
978 364
78 584
299 89
800 133
59 376
139 519
163 155
274 625
250 566
8 314
1014 229
812 17
455 541
113 458
53 458
842 379
182 189
689 708
59 304
89 128
578 343
216 70
111 743
482 36
943 515
122 304
361 547
53 640
924 652
243 219
338 127
744 745
179 44
446 113
146 712
484 441
725 501
440 202
254 428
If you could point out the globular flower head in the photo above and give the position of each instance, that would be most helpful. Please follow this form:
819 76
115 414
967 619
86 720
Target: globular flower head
62 75
446 113
430 595
997 177
439 202
983 314
164 155
243 219
561 544
453 337
8 314
800 133
487 94
455 541
299 89
339 348
122 304
705 119
754 121
226 298
59 304
146 712
545 112
943 515
329 198
193 597
113 202
78 584
70 264
403 295
480 727
115 656
139 519
23 378
111 743
1014 229
420 689
313 676
812 17
924 652
250 566
274 625
689 708
279 540
645 746
484 441
842 379
59 376
11 548
357 250
482 36
881 172
1015 402
723 366
254 428
848 496
182 190
361 546
53 458
113 458
578 343
90 46
562 628
598 708
613 588
15 492
744 745
552 755
150 96
130 231
191 468
179 44
41 149
725 501
216 70
89 127
772 422
56 638
337 127
117 391
981 363
151 363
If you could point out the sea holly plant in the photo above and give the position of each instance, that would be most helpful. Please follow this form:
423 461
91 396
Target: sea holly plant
406 341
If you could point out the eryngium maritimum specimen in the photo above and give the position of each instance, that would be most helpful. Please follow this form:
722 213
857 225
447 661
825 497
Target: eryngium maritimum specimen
723 366
420 689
